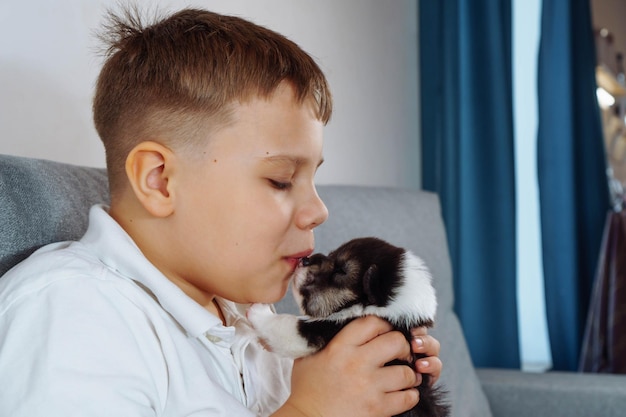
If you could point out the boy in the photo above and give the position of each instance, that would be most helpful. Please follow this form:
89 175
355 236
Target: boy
213 133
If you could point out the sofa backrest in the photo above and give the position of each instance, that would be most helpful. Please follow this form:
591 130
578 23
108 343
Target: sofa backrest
44 201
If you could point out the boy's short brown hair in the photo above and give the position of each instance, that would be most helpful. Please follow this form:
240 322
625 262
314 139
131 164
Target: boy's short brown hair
178 77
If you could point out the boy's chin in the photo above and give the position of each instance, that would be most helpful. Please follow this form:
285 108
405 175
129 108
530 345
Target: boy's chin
275 296
266 296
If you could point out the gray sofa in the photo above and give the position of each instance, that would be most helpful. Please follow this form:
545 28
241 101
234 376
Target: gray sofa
43 201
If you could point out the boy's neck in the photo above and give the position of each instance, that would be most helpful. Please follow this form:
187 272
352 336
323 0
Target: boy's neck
214 308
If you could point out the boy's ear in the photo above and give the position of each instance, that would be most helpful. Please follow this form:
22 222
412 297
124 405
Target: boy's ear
149 166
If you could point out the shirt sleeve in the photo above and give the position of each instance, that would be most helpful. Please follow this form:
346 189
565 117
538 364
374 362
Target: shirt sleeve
66 350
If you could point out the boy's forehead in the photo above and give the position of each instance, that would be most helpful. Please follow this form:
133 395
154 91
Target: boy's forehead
281 113
278 130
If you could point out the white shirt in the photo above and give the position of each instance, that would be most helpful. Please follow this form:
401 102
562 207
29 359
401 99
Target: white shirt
91 328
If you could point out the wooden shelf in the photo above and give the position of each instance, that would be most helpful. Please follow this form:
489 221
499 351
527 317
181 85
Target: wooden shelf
606 80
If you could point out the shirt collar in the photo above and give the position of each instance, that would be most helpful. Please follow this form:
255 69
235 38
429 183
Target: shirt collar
118 252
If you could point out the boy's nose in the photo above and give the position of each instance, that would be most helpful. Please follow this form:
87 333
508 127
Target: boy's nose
322 214
313 213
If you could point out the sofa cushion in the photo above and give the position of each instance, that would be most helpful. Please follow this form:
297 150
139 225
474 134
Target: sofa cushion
410 219
43 202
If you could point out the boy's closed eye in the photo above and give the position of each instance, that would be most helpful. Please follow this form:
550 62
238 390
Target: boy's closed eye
280 185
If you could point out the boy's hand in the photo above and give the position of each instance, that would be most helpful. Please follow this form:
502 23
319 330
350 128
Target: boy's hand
424 343
348 377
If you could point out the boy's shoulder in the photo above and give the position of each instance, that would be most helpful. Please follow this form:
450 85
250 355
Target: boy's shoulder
59 271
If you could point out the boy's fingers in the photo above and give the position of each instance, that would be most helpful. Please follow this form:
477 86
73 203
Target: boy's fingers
398 378
431 365
424 343
398 384
389 346
401 401
360 331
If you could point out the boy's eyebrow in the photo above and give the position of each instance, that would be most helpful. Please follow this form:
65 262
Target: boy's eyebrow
288 159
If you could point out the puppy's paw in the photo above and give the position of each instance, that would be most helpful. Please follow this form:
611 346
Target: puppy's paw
258 310
259 314
278 332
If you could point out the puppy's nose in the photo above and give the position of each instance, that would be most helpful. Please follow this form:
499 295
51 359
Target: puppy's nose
306 261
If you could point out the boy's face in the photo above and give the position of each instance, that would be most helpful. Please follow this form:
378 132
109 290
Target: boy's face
245 213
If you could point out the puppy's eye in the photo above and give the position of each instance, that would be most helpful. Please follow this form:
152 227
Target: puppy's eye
339 270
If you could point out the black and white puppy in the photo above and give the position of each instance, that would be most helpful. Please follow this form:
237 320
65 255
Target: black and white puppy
365 276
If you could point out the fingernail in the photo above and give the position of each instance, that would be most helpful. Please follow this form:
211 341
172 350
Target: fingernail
419 342
423 364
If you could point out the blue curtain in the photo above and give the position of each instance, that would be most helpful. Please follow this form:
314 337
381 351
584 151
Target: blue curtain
572 181
468 159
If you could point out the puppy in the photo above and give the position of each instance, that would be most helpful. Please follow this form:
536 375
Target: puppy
365 276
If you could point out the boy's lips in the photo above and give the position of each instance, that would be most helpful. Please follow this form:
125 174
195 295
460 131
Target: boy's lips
294 260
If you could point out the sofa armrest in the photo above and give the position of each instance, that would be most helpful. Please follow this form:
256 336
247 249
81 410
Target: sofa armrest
514 393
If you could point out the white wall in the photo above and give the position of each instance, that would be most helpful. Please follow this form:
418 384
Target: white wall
368 49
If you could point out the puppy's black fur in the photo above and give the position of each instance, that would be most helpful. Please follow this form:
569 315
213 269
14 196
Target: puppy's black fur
363 276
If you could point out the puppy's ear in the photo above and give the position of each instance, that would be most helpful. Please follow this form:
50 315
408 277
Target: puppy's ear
371 285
